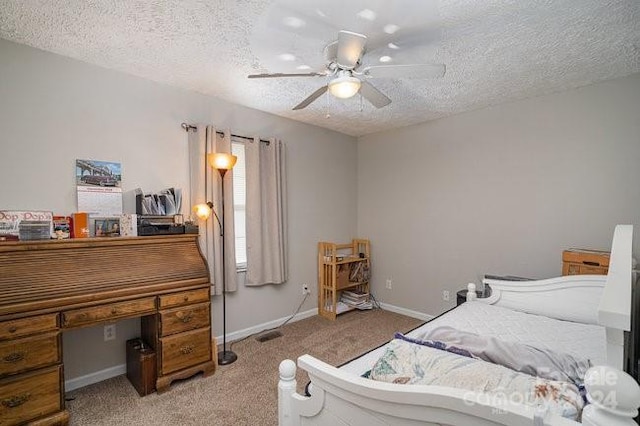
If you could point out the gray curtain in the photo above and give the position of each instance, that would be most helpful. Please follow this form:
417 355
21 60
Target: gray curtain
205 186
266 213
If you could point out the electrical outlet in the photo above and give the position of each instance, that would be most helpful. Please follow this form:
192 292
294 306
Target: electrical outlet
109 332
445 295
305 289
389 283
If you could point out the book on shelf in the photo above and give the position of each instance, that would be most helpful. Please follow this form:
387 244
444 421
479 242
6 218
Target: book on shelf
355 294
340 258
365 304
348 299
356 299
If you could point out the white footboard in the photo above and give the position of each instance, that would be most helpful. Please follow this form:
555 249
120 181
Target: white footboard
341 398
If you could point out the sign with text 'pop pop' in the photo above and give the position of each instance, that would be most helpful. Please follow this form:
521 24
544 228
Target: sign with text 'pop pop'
10 221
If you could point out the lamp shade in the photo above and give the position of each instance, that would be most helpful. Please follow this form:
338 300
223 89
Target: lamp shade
222 160
203 211
344 86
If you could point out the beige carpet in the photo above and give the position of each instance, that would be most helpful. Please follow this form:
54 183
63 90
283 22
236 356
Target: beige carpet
245 392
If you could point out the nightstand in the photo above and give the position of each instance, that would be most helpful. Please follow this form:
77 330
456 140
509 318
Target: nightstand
461 296
585 262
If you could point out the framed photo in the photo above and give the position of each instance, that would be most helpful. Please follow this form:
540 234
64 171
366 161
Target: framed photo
107 227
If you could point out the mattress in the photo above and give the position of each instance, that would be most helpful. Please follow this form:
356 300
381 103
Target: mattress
580 340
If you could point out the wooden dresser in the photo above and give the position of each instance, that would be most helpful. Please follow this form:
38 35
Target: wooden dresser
577 261
47 287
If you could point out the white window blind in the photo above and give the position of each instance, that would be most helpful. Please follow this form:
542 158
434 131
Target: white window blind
239 204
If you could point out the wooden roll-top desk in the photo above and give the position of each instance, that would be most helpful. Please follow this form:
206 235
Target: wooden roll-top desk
47 287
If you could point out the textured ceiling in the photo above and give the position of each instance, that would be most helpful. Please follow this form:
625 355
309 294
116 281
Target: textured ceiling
495 51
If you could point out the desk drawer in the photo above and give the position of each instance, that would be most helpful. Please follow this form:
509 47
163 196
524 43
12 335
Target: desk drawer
184 298
184 319
29 353
576 269
29 397
25 326
113 311
185 350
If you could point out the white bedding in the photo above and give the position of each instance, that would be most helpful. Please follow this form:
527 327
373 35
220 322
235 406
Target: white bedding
580 340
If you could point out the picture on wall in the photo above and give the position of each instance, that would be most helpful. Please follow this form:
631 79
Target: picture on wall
99 187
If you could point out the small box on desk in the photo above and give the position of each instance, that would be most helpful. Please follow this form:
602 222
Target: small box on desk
141 366
34 230
80 225
160 225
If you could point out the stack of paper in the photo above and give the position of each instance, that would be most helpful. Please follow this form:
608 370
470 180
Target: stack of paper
356 299
167 202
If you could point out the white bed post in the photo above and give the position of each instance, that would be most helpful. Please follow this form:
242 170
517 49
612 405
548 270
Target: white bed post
614 311
286 387
614 397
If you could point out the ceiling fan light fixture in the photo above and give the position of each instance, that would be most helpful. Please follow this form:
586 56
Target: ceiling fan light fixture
344 87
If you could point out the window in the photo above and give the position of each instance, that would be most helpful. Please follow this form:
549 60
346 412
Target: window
239 204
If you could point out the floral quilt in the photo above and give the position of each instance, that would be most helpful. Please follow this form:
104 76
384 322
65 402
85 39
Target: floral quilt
409 363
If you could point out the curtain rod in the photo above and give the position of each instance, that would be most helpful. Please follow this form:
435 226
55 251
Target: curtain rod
188 127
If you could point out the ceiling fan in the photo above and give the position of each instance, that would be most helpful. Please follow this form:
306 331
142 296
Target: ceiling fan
344 58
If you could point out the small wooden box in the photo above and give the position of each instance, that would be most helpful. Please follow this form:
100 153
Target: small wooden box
141 366
585 262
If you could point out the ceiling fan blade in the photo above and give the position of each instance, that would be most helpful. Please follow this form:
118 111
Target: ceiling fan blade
315 95
373 95
280 74
405 71
350 49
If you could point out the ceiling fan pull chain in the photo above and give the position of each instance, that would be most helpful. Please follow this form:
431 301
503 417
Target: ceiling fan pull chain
326 107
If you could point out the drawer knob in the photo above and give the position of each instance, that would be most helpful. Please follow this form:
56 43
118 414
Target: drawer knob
185 318
185 298
16 401
13 329
114 311
14 357
186 350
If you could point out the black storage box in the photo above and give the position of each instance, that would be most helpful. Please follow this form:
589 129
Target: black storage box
141 366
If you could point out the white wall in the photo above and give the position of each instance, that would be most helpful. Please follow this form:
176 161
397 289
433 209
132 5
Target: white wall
54 110
501 190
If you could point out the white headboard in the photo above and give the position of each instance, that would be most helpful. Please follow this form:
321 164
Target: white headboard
570 298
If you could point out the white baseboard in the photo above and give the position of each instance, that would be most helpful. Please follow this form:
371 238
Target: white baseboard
407 312
98 376
118 370
241 334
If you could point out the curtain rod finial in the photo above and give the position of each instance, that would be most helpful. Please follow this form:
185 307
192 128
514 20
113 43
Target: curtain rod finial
188 127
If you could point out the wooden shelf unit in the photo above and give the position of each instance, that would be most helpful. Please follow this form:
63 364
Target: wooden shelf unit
334 266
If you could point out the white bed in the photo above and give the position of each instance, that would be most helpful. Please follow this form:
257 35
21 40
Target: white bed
580 315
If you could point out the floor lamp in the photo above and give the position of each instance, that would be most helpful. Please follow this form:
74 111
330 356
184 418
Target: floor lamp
221 162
